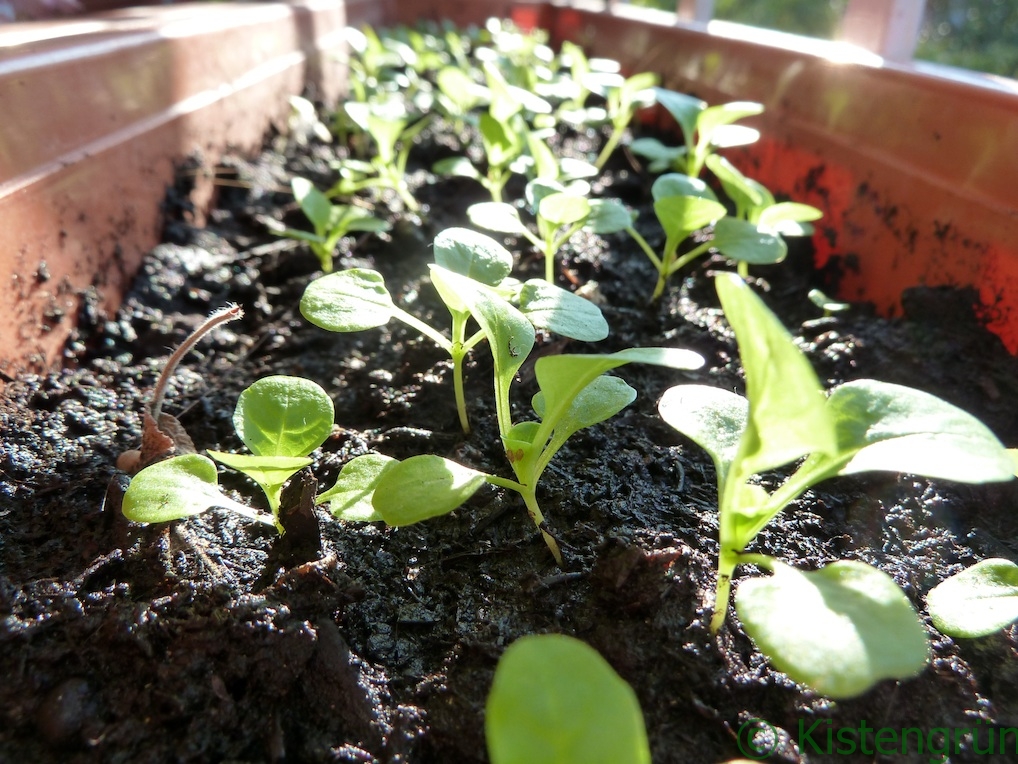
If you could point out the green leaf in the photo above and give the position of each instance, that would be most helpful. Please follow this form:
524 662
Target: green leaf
680 184
713 418
714 117
888 427
686 109
422 487
563 209
660 157
349 301
269 472
457 167
500 144
473 255
978 601
601 399
746 195
788 417
558 310
788 218
555 700
350 499
729 136
839 630
682 215
744 242
175 488
284 416
562 377
608 216
313 203
345 218
545 163
496 216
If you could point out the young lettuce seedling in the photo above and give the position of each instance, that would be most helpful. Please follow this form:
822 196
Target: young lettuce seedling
281 420
685 205
357 299
331 221
559 215
846 626
623 98
705 128
389 124
504 134
575 393
555 700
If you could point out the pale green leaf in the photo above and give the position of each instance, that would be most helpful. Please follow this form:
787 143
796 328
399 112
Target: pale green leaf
349 301
839 630
284 416
456 167
608 216
714 117
422 487
881 426
351 496
744 242
550 307
563 209
976 602
713 418
684 108
473 255
496 216
555 700
788 416
175 488
680 184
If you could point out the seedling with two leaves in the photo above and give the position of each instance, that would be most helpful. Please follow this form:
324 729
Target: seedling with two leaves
685 206
624 97
575 393
559 214
280 419
846 626
504 134
331 222
704 128
391 127
357 299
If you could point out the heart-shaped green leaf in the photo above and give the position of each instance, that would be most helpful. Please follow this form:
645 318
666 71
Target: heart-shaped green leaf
679 184
284 416
563 209
608 216
839 630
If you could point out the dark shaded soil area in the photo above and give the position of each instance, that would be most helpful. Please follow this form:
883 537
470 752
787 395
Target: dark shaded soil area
199 642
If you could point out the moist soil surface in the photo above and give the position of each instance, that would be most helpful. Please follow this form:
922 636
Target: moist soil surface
214 639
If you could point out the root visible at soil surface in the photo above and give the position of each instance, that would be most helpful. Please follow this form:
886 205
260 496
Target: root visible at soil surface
194 642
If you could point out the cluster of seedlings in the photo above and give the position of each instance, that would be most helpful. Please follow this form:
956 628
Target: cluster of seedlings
502 94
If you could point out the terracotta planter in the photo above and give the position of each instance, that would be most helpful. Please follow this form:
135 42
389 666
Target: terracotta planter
914 171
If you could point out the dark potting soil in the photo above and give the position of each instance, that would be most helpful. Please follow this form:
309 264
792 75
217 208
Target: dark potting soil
212 640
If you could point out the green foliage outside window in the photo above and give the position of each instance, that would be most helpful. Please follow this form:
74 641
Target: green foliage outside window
973 34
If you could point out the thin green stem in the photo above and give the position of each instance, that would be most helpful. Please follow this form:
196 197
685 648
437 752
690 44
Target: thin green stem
687 258
650 253
412 321
529 494
610 145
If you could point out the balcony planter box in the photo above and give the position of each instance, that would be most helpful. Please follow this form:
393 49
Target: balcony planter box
201 642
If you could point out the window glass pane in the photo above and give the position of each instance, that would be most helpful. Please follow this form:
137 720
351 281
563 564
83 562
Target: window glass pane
975 34
816 18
